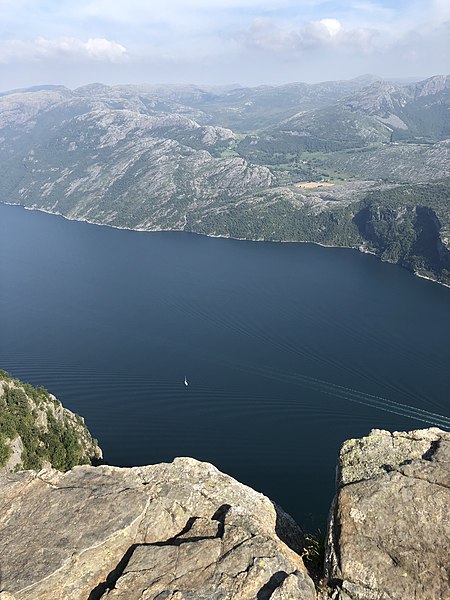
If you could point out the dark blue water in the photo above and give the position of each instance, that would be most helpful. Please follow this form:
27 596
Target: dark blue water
289 349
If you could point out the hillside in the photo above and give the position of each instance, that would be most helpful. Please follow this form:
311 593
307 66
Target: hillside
378 116
232 161
37 431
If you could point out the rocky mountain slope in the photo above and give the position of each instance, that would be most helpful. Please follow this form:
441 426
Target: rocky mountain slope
418 109
108 160
164 157
382 113
184 530
37 431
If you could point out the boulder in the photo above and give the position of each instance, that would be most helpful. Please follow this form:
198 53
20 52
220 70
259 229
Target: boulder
389 532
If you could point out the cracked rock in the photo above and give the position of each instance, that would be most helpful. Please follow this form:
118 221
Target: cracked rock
174 531
186 531
389 533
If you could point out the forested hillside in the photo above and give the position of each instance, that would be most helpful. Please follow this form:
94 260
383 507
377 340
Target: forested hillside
36 430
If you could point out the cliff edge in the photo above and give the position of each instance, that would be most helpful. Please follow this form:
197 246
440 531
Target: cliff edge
389 530
186 531
181 531
36 431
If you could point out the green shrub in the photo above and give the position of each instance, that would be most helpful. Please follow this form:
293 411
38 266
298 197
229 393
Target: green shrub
59 445
5 451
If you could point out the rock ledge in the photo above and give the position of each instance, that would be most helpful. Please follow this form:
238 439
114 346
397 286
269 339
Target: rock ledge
389 531
182 530
186 531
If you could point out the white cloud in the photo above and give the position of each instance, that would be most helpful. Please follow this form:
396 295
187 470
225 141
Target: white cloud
94 49
269 35
440 10
323 31
257 41
333 26
266 34
101 49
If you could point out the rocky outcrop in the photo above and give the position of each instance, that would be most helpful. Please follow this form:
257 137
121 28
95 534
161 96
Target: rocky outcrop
389 533
186 531
181 531
37 431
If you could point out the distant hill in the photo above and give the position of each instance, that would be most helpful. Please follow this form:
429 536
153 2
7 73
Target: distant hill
380 113
34 88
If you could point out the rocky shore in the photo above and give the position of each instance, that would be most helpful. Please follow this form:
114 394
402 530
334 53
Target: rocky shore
185 530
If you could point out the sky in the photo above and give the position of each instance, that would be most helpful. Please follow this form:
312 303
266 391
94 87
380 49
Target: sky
215 42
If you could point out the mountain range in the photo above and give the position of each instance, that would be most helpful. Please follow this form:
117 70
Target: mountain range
363 163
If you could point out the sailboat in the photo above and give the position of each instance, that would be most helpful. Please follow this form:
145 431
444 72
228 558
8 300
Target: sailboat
185 380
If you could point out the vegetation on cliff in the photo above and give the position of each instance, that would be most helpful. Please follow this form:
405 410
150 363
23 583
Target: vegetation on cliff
410 225
36 430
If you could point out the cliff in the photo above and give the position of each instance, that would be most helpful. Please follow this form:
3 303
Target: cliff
37 431
389 531
180 530
400 227
185 531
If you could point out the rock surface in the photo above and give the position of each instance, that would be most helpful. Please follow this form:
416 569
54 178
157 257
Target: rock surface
186 531
181 531
389 533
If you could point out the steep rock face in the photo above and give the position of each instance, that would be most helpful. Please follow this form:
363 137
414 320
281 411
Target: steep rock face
181 530
37 431
405 234
389 534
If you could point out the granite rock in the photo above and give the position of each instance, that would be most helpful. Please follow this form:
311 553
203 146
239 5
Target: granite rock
182 530
389 532
186 531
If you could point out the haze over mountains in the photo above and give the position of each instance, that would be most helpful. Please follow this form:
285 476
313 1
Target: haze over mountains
243 162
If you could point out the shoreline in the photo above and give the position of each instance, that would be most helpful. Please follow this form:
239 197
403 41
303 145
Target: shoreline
360 249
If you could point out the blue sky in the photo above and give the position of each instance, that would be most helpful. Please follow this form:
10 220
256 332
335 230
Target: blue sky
219 41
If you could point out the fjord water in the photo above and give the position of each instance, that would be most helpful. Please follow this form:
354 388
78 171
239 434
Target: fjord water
288 349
